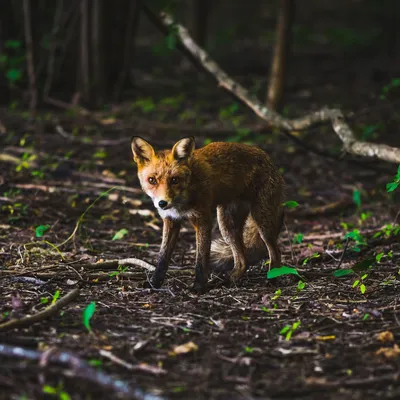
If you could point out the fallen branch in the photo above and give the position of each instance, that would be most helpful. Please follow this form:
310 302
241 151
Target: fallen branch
334 116
116 263
40 316
77 368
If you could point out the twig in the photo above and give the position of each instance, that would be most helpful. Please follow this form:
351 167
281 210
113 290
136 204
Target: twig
346 245
154 370
334 116
116 263
29 55
40 316
79 368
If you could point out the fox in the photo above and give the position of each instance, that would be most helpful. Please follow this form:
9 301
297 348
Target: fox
237 180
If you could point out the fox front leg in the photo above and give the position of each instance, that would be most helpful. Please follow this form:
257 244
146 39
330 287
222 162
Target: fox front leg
170 236
203 227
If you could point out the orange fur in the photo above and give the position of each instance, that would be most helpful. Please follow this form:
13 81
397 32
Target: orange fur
238 180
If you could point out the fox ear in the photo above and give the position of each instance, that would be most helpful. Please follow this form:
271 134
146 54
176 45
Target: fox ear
183 149
142 151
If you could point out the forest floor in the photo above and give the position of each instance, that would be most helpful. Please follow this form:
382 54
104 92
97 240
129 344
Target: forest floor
68 186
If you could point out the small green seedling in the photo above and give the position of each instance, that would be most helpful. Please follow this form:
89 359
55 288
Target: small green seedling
391 186
120 234
359 283
290 204
298 238
288 330
88 314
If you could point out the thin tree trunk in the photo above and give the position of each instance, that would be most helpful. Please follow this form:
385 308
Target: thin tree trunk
130 36
97 52
85 50
29 55
281 51
199 13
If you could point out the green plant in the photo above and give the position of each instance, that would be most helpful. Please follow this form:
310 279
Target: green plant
307 259
120 270
12 61
88 314
393 84
290 204
120 234
391 186
145 104
387 231
276 272
56 391
41 230
359 283
298 238
300 286
288 330
357 237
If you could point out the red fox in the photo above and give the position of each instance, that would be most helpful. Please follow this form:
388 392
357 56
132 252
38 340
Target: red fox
238 180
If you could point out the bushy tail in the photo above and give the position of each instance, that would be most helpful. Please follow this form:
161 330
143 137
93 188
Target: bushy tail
221 258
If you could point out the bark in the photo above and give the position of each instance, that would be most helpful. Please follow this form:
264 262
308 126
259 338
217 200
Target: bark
281 51
29 55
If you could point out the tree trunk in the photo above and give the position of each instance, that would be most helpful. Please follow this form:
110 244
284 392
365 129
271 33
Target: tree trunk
280 54
84 68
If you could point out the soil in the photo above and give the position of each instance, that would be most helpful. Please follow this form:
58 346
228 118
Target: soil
83 185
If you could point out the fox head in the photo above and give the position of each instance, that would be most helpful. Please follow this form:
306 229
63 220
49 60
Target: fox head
164 176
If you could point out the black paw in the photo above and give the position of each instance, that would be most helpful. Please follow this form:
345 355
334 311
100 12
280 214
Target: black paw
152 284
199 287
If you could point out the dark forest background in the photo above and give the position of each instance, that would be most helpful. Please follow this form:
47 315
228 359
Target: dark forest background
96 52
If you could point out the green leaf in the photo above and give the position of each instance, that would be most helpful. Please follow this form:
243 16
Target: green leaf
14 74
49 389
120 234
362 288
284 329
365 317
41 230
275 272
357 198
390 187
355 283
342 272
364 264
298 238
379 256
88 314
55 296
65 396
291 204
13 44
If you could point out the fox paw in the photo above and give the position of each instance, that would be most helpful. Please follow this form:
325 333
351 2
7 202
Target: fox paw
199 287
152 284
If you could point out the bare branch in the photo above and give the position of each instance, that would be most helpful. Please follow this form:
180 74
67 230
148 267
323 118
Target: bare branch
29 55
40 316
334 116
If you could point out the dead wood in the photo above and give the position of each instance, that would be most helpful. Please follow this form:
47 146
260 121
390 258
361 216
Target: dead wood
77 368
333 116
42 315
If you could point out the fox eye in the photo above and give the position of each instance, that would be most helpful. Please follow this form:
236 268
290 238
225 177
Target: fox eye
174 180
152 180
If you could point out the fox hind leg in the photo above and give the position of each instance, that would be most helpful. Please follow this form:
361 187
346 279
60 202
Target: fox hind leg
268 217
231 220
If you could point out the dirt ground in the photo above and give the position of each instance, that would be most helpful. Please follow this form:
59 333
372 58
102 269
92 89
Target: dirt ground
231 345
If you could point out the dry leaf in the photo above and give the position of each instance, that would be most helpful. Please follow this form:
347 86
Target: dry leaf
330 337
108 121
389 352
385 337
184 348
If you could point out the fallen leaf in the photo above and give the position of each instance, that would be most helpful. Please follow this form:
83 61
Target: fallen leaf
108 121
385 337
184 348
329 337
389 352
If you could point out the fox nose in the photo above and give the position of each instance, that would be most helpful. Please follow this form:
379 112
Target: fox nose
163 203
